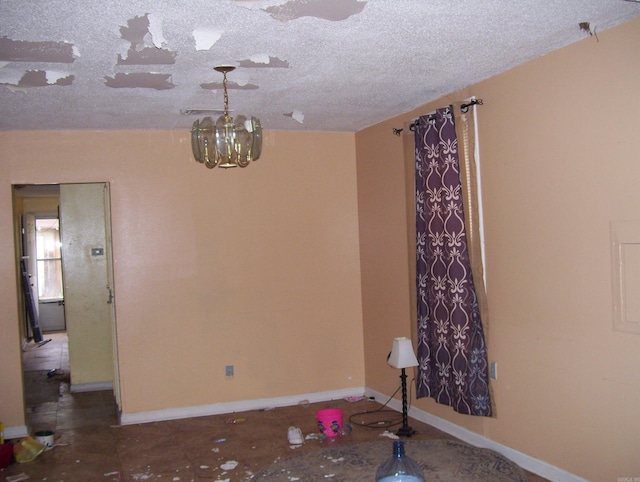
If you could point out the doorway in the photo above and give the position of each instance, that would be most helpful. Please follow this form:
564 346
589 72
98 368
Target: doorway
79 225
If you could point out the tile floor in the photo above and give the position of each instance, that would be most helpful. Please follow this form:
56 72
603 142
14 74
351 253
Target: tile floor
90 446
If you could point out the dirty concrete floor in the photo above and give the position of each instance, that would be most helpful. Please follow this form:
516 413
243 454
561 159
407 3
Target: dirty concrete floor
90 446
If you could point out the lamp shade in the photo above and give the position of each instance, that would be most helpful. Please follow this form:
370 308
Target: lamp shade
402 354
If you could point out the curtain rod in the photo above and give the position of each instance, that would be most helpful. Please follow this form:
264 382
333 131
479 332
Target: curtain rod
463 107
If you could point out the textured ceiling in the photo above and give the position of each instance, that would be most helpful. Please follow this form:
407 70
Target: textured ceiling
337 65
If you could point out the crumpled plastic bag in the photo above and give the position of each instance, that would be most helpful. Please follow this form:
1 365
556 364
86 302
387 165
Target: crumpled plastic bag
27 449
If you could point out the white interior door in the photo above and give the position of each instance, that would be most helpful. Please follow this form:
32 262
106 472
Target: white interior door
88 285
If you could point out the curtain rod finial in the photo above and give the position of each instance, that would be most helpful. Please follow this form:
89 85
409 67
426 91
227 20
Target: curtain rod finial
465 107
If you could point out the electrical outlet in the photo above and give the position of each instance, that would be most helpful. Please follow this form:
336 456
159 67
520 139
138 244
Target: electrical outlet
493 370
228 371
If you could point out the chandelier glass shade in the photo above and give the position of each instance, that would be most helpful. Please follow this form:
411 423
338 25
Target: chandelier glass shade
227 142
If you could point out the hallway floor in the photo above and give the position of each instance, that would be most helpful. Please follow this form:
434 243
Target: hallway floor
91 446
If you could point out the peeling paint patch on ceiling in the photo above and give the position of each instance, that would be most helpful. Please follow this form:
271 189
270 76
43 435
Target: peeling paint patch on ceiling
148 56
230 85
296 115
248 3
325 58
47 51
258 61
10 76
55 77
205 38
39 78
137 80
155 30
145 35
333 10
135 30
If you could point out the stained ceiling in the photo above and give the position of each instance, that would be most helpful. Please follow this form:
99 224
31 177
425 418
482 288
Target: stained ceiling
332 65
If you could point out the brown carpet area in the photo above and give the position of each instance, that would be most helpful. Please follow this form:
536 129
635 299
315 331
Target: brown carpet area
445 460
92 447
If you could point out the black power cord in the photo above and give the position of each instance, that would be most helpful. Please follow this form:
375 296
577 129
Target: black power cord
381 423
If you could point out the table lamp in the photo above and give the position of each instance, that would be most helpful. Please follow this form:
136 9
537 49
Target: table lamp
402 356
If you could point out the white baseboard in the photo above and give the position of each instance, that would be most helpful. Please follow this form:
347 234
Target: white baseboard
91 387
19 431
239 406
525 461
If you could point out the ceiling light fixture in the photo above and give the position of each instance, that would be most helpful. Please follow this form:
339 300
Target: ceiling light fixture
229 142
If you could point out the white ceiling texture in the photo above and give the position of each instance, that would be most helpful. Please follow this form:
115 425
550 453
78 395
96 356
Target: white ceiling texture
329 65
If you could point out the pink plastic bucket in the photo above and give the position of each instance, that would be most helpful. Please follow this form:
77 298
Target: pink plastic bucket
330 421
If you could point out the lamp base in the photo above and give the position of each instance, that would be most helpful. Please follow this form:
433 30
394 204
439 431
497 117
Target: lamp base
406 431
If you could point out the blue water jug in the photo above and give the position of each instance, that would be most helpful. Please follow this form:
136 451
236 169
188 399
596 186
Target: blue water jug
399 467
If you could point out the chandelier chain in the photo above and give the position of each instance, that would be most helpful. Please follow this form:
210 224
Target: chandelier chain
226 96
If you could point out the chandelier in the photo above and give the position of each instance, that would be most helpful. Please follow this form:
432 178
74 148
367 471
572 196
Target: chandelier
228 142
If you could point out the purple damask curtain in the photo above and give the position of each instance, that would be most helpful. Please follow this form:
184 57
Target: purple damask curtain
452 353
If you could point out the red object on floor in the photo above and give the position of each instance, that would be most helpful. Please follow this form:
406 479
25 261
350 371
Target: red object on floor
6 454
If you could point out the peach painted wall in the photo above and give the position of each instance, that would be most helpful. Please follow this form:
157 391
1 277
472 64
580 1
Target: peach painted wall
560 159
257 268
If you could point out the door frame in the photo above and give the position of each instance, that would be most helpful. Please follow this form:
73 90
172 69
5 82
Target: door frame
34 190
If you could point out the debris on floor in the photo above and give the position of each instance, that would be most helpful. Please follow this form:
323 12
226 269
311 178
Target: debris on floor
27 450
229 465
235 420
294 435
17 478
139 452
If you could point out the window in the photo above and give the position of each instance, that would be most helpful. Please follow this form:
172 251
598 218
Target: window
49 259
